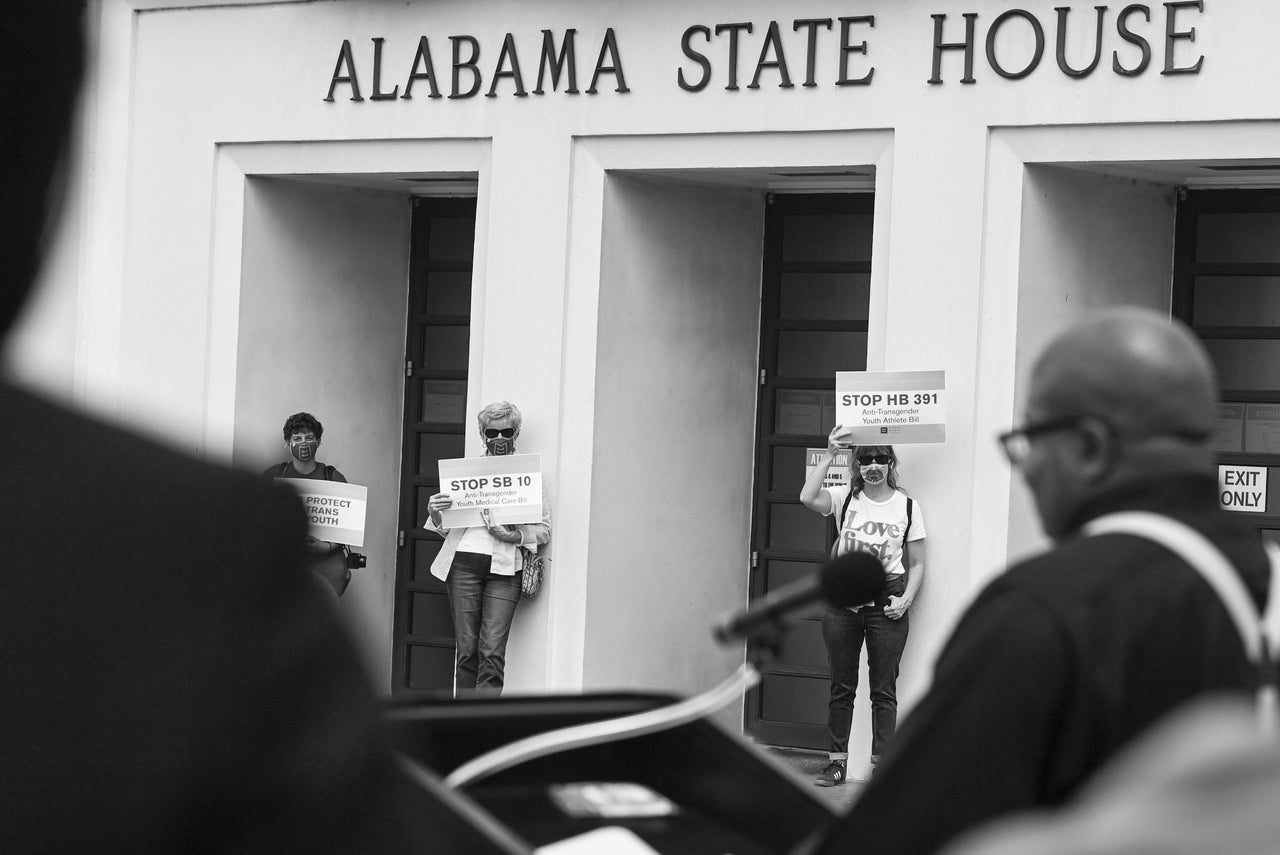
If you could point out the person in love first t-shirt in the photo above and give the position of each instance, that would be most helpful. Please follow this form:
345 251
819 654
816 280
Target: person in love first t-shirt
877 528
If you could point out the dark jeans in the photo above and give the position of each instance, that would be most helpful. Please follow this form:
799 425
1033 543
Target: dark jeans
843 631
483 605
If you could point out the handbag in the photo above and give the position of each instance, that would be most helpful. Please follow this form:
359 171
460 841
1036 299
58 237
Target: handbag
531 566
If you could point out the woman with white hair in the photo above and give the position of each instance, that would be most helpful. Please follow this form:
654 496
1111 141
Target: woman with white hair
480 566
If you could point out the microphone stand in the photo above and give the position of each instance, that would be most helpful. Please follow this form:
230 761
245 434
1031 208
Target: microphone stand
637 724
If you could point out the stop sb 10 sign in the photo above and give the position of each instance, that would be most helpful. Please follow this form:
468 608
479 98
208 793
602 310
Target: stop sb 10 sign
509 486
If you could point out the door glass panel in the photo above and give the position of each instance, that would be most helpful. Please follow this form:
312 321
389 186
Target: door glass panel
444 348
1238 237
802 642
434 447
817 353
1237 301
796 527
798 411
451 239
794 698
781 573
430 667
421 495
826 237
444 401
448 293
1246 364
431 615
787 473
827 296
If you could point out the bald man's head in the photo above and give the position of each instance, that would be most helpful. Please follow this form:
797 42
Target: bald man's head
1132 395
1134 368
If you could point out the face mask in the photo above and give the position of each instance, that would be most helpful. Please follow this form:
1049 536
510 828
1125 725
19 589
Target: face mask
303 451
500 445
873 474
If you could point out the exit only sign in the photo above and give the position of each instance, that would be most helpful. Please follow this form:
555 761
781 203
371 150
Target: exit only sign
1243 488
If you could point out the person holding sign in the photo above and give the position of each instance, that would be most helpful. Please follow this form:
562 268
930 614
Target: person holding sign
302 433
875 517
480 565
1063 661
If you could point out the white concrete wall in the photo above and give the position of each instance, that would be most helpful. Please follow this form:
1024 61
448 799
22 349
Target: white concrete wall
1087 241
675 433
322 330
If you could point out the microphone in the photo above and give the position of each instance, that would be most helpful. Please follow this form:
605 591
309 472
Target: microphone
849 580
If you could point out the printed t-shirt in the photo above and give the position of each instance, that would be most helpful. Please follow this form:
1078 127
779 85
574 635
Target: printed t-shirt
877 527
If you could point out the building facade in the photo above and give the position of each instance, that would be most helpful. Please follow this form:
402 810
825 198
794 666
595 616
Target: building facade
659 229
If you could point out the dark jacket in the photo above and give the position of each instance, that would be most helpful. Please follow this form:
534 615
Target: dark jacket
173 678
1055 666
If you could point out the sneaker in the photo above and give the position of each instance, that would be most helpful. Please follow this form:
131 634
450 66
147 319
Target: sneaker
832 776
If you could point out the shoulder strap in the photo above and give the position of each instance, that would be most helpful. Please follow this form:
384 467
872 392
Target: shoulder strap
1259 633
844 509
907 530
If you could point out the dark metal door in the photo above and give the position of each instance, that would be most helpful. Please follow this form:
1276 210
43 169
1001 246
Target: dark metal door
817 271
1226 287
435 425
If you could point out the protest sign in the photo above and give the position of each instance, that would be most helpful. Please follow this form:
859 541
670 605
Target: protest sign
892 407
335 510
508 485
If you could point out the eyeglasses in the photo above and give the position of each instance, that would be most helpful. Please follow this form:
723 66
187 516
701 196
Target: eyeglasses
494 433
868 459
1016 443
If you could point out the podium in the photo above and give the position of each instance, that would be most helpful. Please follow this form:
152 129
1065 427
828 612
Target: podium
727 795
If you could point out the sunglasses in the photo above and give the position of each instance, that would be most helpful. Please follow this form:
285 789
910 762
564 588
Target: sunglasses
494 433
868 459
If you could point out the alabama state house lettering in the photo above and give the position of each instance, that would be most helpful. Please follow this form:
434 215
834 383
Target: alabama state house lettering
1123 40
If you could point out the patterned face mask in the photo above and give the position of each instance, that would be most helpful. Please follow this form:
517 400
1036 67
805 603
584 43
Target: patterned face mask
500 445
874 474
304 451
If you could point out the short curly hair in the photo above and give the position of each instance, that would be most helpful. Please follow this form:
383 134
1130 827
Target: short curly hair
300 423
